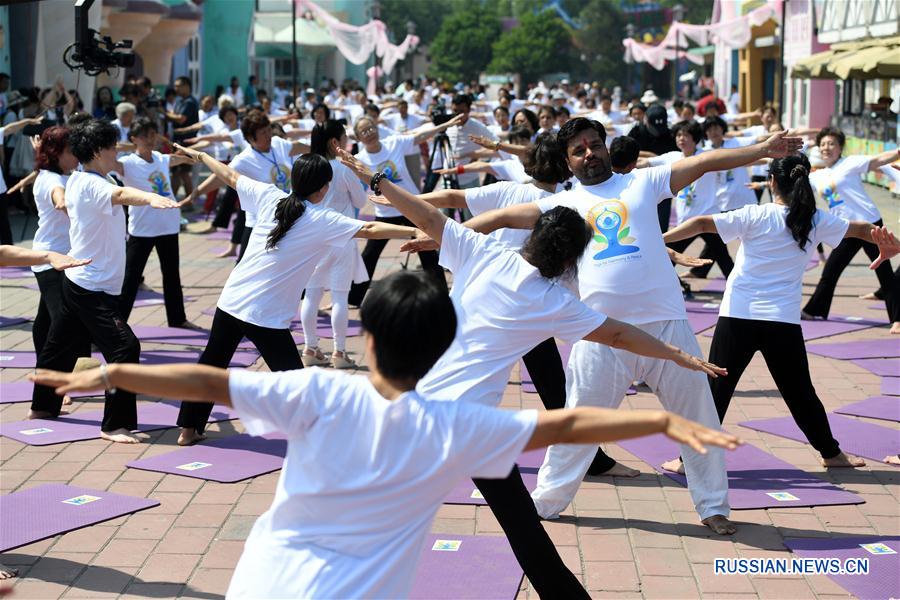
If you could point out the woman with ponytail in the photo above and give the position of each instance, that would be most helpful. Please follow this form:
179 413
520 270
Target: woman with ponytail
341 267
760 310
291 236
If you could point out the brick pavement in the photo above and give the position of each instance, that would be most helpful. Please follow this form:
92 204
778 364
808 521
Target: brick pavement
636 538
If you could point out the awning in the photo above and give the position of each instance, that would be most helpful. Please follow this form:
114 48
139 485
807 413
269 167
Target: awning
877 58
275 28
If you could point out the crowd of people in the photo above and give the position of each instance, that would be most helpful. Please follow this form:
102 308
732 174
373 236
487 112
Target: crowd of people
560 214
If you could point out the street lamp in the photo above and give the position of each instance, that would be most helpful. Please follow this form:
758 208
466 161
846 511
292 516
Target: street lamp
677 16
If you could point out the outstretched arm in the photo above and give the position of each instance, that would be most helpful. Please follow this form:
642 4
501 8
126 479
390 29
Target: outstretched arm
885 158
446 198
518 216
19 125
426 133
222 171
376 230
690 228
13 256
888 244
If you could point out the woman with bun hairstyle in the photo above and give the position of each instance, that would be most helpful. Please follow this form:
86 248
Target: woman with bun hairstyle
777 241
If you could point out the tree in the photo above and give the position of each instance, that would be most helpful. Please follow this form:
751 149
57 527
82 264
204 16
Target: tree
397 13
462 47
540 44
600 42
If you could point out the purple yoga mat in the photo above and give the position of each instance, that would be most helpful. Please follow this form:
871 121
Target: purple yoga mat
702 307
466 492
752 475
8 321
890 386
20 391
52 509
886 408
701 321
26 359
183 337
15 272
835 325
879 583
854 436
324 330
86 425
152 298
884 367
466 567
225 460
22 359
879 348
219 236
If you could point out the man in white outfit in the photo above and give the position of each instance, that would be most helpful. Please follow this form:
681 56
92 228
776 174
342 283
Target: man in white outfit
627 272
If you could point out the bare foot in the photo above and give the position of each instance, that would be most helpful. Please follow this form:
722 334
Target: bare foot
231 251
720 524
674 466
7 572
893 459
895 327
843 460
189 437
869 296
189 325
120 436
805 316
67 400
618 470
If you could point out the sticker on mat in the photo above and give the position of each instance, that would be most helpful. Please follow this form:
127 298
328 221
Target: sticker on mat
36 431
710 305
194 466
782 496
877 548
81 500
446 545
6 357
476 493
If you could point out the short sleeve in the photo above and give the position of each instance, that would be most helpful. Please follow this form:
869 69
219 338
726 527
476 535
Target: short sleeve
165 159
284 145
459 244
731 225
743 142
251 192
406 144
275 402
237 137
339 228
487 197
658 180
829 228
574 318
856 164
566 199
101 191
491 438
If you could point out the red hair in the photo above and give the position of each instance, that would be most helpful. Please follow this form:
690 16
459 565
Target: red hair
53 143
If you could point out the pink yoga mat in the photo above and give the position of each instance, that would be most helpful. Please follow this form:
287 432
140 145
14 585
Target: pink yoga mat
886 408
883 554
752 476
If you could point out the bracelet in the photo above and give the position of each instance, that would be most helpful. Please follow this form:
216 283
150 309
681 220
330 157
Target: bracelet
376 179
104 377
460 169
496 145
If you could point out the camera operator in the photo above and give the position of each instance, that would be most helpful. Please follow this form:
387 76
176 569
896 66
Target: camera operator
462 149
186 113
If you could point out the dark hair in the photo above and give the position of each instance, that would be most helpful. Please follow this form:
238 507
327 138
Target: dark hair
770 109
501 108
309 174
253 122
562 110
327 110
90 137
623 151
183 81
692 128
833 132
714 122
547 108
141 126
606 98
575 126
519 133
677 103
791 175
690 106
371 107
112 98
412 323
546 161
462 99
77 119
53 143
557 242
530 117
323 133
227 109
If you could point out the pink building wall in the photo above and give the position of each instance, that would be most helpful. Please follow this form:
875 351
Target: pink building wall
799 43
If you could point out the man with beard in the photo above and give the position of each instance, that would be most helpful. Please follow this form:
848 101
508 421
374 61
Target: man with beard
627 273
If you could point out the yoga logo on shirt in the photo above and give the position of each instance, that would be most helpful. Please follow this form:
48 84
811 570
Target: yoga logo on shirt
686 194
281 177
390 171
831 195
609 220
158 183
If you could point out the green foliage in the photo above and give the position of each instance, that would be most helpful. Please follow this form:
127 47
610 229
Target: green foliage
397 13
697 12
600 42
541 43
462 47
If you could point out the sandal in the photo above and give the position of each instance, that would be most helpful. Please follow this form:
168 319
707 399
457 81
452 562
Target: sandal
342 361
313 357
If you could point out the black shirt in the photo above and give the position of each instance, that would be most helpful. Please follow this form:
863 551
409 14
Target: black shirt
190 108
658 145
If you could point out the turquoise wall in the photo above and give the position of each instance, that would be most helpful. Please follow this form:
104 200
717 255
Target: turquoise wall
357 13
226 35
4 49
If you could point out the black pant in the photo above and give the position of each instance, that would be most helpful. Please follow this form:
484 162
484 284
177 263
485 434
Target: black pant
819 305
664 212
50 308
734 344
758 192
514 509
276 346
240 222
94 316
245 239
372 252
137 251
548 375
715 249
226 208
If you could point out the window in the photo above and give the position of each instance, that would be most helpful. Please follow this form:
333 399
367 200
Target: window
193 62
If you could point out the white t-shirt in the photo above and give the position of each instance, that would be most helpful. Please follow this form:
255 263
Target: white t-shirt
461 145
767 281
264 288
346 193
501 195
841 188
153 176
626 271
53 224
362 480
697 199
504 308
755 131
97 231
510 169
272 167
213 124
391 160
401 125
123 131
731 185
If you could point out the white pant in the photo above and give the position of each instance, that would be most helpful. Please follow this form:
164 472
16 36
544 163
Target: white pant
598 375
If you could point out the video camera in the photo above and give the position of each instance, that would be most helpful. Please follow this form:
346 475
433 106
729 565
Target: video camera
439 114
92 52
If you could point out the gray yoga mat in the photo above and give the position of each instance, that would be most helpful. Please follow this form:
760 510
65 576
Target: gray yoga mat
855 436
756 479
26 359
52 509
20 391
466 567
886 408
887 347
890 386
883 553
225 460
85 425
884 367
